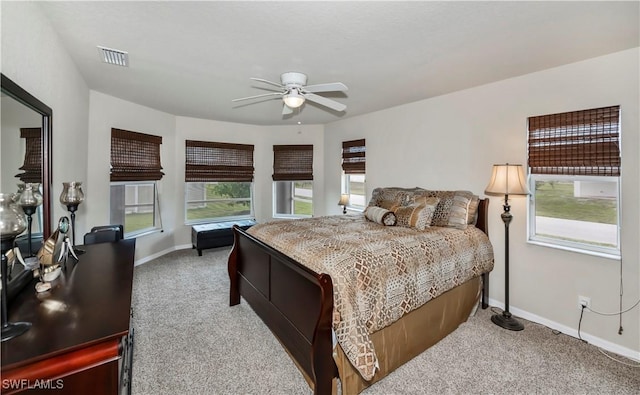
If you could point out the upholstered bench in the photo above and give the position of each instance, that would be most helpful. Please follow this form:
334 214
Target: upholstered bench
219 234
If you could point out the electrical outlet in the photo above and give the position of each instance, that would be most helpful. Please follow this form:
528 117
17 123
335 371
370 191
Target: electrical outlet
584 301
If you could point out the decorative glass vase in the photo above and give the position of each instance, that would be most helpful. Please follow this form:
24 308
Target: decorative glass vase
12 219
16 196
71 197
72 194
12 223
29 200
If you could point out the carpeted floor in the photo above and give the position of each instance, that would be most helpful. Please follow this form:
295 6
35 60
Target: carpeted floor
189 341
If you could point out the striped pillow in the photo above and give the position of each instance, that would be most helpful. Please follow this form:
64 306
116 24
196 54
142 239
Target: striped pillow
417 215
380 215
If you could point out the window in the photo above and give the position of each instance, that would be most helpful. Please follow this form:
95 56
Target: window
135 169
218 201
292 180
574 164
354 186
353 166
219 181
133 204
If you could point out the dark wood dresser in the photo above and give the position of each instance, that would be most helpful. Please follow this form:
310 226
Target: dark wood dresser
80 341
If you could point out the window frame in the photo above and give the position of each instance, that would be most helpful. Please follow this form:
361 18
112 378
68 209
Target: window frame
583 145
218 162
346 187
157 221
209 220
569 245
275 200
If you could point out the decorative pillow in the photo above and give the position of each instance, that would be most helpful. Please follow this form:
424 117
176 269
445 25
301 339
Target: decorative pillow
392 194
473 210
417 215
380 215
388 205
452 210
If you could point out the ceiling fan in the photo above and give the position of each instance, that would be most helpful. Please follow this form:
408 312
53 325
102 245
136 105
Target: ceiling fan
294 92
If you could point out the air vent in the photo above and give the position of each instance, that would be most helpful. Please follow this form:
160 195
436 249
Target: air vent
114 56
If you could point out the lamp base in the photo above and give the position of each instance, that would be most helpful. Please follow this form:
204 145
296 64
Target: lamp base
14 329
506 321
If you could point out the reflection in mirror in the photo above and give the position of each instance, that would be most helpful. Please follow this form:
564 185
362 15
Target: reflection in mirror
21 149
25 150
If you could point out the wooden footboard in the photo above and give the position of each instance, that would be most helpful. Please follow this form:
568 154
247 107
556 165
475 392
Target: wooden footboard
295 302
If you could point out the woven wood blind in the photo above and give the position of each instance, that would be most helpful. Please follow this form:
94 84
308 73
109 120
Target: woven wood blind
353 156
292 162
32 165
576 143
135 156
210 161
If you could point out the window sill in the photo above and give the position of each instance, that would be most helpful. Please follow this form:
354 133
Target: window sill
605 255
143 233
217 220
281 216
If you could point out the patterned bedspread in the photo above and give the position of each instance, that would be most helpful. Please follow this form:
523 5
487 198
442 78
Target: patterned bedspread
379 272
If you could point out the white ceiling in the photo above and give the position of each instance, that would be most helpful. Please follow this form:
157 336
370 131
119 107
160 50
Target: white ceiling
192 58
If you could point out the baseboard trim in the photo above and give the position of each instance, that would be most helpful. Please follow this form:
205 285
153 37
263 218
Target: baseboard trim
594 340
161 253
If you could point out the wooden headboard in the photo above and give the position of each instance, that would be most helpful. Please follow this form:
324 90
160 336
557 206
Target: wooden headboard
482 222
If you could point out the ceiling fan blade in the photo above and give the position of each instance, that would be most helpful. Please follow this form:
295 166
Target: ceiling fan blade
257 96
286 110
332 104
267 82
330 87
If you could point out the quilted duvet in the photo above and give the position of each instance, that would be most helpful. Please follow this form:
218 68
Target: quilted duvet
379 272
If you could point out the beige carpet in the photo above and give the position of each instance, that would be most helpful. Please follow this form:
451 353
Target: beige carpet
189 341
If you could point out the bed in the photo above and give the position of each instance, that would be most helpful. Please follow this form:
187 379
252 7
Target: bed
352 297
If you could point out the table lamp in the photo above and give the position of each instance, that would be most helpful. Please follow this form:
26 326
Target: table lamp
344 202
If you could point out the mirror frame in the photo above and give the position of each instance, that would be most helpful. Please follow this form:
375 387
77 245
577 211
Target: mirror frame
14 90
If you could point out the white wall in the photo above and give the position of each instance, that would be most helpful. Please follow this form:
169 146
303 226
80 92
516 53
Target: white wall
108 112
448 142
451 142
263 138
34 58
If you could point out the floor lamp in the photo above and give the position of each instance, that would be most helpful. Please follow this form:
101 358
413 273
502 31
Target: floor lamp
507 180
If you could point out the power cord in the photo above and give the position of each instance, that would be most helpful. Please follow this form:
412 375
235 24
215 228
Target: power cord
614 313
631 365
619 332
580 323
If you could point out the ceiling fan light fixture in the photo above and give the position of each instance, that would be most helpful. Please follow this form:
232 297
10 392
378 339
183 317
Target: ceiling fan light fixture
293 99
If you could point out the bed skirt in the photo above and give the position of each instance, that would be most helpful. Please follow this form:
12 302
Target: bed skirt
413 334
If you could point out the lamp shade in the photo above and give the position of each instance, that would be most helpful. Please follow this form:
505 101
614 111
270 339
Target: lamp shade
293 99
507 180
344 199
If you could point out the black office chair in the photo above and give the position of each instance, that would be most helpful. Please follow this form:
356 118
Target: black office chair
104 234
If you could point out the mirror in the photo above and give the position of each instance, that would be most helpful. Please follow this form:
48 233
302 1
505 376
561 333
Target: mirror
25 118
